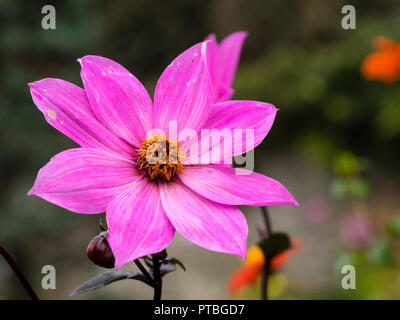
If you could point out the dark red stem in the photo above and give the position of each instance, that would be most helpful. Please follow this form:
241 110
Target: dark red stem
267 264
157 277
18 273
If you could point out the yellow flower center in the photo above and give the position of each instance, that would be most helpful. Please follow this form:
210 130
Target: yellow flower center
159 157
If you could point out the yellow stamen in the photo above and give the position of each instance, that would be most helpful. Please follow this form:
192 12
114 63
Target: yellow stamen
159 157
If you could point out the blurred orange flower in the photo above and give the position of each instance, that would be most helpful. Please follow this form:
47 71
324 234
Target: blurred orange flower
251 271
384 63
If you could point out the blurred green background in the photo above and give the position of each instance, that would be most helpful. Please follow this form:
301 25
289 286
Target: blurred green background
335 143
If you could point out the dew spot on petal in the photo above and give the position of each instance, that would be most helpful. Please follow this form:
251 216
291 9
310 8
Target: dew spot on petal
52 114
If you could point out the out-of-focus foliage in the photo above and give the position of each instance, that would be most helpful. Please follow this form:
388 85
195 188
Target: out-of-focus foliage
377 266
350 181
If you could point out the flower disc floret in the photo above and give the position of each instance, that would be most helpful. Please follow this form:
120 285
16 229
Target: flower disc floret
159 157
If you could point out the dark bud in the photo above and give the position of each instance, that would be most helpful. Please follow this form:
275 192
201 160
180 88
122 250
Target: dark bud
99 251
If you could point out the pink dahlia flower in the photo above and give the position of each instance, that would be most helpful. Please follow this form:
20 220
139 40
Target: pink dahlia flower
145 201
223 60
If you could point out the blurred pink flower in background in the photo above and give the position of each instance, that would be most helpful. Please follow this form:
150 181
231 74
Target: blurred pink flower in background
355 232
316 209
223 61
146 202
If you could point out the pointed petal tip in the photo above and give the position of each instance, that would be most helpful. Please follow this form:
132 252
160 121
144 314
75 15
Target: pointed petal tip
241 33
119 263
211 37
42 84
243 255
270 105
93 59
35 84
240 252
84 59
120 259
237 36
291 201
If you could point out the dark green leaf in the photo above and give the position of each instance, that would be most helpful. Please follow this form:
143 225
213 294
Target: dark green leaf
275 244
106 278
166 268
167 260
167 265
174 261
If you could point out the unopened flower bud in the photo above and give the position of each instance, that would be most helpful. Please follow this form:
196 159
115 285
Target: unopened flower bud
99 251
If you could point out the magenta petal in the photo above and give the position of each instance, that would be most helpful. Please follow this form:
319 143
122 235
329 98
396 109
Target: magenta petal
66 107
223 60
235 186
208 224
212 61
248 123
84 180
184 91
118 99
229 55
224 93
138 225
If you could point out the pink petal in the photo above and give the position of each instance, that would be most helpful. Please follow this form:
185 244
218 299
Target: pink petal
229 55
118 99
248 122
184 91
223 61
212 61
235 186
224 93
208 224
66 107
84 180
138 225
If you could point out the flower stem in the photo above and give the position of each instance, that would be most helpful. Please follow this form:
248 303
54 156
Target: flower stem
267 264
267 221
18 273
157 277
144 271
